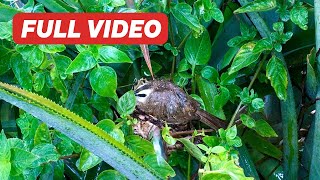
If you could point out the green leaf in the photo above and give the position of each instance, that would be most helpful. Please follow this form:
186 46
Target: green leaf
207 92
6 30
227 58
244 57
83 62
263 45
104 81
210 73
139 145
5 167
222 98
55 6
299 15
211 141
261 144
159 165
126 103
264 129
110 174
39 80
311 79
182 11
165 133
61 65
231 133
42 135
84 111
5 155
31 54
65 148
257 5
7 12
236 41
108 126
277 74
183 65
28 126
116 3
247 121
191 148
52 48
45 153
278 26
5 147
110 54
87 160
217 15
20 160
22 71
199 100
257 103
198 50
17 143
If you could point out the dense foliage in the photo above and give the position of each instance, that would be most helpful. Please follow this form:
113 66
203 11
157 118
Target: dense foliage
250 63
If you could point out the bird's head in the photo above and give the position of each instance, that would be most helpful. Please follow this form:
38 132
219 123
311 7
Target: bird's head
142 90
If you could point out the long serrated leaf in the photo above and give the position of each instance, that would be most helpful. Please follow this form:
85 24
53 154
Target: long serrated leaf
81 131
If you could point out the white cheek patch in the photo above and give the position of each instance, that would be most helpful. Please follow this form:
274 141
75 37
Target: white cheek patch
143 95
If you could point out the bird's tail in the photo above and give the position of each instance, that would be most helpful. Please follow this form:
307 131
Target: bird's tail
210 120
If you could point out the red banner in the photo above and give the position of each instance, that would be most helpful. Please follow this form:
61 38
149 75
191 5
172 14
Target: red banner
90 28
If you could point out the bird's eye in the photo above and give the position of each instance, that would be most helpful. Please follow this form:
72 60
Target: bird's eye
141 95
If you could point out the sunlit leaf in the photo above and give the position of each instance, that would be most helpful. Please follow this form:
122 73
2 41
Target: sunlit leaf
277 74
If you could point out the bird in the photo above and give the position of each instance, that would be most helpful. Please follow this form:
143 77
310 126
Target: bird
166 101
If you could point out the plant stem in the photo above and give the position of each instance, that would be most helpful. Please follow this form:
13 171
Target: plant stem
249 87
183 41
193 82
315 157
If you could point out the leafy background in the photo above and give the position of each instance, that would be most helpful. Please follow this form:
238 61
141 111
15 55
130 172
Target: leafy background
251 63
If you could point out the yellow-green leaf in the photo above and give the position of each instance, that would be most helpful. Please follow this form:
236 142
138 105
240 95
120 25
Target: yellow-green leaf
277 74
257 5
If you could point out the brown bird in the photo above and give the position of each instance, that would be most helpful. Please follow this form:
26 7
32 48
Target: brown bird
168 102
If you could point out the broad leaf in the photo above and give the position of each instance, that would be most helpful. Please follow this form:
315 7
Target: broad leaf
104 81
248 121
257 5
198 50
111 174
20 160
126 103
182 12
45 153
108 126
277 74
244 57
109 54
299 16
52 48
87 160
42 135
139 145
22 71
7 12
83 62
160 165
31 54
264 129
